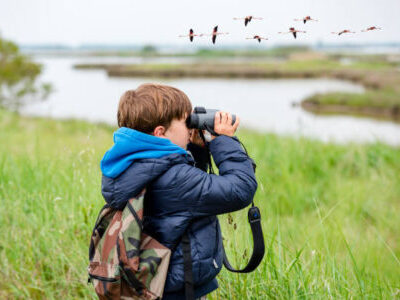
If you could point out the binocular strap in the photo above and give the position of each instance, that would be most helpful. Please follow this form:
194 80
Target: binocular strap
254 218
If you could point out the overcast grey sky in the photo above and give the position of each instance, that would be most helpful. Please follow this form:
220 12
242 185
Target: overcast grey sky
75 22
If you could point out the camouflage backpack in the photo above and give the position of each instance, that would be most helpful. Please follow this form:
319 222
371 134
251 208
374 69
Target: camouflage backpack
125 263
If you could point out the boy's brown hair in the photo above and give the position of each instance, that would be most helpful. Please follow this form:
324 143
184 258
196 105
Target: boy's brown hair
151 105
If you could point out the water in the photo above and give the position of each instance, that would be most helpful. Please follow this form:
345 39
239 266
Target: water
262 104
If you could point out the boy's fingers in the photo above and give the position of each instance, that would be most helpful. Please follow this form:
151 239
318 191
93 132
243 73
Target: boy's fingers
237 122
221 113
224 117
229 119
217 118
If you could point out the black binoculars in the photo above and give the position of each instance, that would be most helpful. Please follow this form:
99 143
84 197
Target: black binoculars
203 119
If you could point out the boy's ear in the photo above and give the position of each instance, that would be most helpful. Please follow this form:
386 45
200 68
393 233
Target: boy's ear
159 131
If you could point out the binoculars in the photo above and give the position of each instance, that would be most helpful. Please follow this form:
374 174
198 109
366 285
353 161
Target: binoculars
203 119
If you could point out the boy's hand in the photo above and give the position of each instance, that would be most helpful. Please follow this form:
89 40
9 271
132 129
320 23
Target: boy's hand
195 138
223 124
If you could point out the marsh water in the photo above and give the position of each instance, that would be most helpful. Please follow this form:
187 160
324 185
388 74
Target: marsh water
268 105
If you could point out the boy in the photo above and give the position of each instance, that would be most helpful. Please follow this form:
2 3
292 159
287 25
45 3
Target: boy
151 150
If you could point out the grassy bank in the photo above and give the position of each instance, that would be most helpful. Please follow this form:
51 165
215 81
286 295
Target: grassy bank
379 75
329 214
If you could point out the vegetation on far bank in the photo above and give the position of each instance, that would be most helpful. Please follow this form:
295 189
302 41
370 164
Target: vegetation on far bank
329 215
150 51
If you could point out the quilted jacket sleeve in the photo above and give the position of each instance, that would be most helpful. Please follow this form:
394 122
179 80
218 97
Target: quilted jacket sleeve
233 189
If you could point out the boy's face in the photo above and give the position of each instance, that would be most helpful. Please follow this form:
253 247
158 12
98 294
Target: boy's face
178 133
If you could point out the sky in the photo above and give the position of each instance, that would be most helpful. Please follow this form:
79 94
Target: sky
77 22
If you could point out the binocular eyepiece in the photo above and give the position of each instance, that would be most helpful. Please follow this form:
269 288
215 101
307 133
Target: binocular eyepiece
203 119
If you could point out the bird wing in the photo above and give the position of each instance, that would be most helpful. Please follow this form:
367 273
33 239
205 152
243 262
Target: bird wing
214 37
295 34
246 21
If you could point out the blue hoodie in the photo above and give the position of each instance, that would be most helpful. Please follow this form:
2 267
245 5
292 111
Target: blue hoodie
130 145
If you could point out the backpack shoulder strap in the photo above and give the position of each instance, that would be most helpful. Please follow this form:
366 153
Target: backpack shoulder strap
97 232
187 266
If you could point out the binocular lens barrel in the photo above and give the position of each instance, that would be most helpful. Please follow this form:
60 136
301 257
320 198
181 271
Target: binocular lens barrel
203 118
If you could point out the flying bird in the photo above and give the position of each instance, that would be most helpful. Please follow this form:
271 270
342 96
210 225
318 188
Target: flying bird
191 35
214 34
343 31
371 28
247 19
257 37
305 19
293 31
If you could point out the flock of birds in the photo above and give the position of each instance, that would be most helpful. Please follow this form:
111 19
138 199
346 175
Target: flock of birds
248 19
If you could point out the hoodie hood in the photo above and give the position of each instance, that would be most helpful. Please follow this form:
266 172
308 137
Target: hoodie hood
130 145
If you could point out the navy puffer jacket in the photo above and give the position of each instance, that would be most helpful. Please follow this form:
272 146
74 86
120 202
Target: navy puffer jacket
181 195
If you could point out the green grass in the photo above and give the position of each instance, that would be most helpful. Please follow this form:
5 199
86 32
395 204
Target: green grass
329 214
